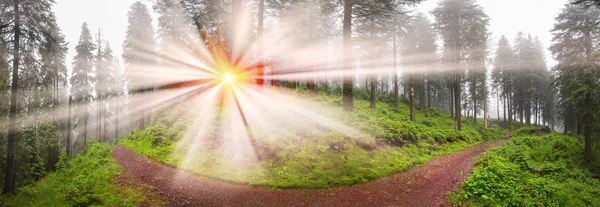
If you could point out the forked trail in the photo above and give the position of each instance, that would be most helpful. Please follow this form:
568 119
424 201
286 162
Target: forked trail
424 185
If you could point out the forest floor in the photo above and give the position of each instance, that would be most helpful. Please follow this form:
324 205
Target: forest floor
424 185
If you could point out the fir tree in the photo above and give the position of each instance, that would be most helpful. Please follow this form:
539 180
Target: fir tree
82 81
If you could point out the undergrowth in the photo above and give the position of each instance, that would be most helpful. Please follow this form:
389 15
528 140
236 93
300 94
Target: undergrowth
530 170
86 180
315 158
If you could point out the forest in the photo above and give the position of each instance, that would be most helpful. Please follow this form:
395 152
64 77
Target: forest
299 103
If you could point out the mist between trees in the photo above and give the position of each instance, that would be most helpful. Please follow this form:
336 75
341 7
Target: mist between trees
377 50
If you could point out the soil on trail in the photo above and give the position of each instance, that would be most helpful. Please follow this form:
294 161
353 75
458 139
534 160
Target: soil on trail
424 185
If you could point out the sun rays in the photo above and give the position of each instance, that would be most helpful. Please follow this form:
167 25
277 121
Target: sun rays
228 91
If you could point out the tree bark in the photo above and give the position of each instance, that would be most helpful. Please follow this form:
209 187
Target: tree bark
412 97
428 91
474 110
9 179
457 113
348 82
509 108
485 118
587 155
422 91
498 106
395 77
105 122
68 141
85 125
53 146
260 71
373 91
452 109
504 106
99 118
117 117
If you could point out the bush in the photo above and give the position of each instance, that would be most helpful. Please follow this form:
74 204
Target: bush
533 171
86 180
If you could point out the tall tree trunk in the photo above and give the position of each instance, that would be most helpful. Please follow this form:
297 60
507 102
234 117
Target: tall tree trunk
105 122
504 105
422 92
428 91
521 112
535 113
474 111
457 113
528 111
53 146
440 99
569 120
68 141
576 125
99 119
395 77
384 84
261 69
498 106
452 109
587 154
509 107
117 118
373 90
485 118
411 97
85 128
9 179
348 78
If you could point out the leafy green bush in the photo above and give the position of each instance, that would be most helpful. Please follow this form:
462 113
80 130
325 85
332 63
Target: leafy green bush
86 180
533 171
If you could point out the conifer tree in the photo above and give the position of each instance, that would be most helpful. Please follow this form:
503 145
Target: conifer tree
82 81
462 25
577 72
29 20
53 55
139 43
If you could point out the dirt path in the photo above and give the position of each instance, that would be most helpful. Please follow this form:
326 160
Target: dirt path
424 185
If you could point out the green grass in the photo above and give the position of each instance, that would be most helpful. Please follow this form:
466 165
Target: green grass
317 158
530 170
86 180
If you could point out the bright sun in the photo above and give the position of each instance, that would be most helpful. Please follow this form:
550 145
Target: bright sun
228 77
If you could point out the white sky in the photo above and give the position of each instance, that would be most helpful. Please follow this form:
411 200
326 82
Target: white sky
507 18
110 15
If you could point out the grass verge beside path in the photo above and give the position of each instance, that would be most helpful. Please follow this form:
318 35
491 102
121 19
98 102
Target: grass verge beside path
534 168
86 180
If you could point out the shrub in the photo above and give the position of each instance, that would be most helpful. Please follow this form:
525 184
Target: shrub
86 180
533 171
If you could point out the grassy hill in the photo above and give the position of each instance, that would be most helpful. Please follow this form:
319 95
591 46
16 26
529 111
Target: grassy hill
319 157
